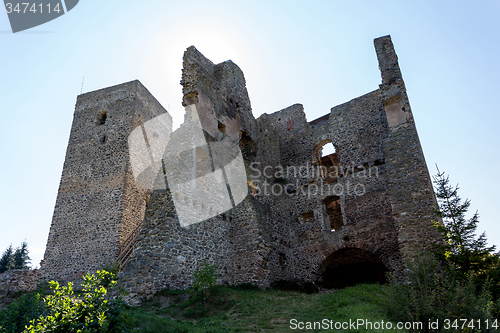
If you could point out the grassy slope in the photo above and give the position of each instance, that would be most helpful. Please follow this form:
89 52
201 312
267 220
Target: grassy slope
230 310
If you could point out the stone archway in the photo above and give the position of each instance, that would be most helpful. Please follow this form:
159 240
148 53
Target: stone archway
349 267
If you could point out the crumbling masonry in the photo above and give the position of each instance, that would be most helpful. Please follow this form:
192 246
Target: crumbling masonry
331 220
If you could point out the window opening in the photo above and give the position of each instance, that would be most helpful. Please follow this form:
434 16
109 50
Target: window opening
332 204
101 118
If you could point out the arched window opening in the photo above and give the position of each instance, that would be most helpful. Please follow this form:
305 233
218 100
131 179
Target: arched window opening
349 267
332 204
328 149
327 159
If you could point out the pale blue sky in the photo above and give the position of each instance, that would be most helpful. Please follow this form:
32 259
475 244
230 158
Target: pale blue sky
318 53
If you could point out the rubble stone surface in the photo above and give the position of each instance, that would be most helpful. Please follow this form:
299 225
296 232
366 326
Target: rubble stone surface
333 220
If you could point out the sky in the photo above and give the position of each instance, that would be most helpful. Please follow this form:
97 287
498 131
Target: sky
317 53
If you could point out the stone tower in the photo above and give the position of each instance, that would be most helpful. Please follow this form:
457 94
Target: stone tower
98 204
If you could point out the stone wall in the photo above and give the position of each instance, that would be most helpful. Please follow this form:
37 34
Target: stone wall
98 204
18 280
329 220
301 230
409 182
166 253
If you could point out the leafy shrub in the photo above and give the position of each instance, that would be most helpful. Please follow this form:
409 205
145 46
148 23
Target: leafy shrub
429 292
112 267
93 311
20 312
205 277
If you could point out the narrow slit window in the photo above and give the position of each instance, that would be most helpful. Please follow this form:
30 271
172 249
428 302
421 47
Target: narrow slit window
332 204
101 117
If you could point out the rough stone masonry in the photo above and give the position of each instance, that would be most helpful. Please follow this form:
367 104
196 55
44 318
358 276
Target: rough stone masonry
333 220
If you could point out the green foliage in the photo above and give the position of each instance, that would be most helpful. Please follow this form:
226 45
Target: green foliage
6 260
20 258
428 291
151 323
15 259
460 279
112 267
461 248
205 277
21 311
93 311
270 310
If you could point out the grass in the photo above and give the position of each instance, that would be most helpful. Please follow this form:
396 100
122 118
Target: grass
249 309
233 310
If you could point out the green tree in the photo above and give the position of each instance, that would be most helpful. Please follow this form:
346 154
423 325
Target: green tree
15 259
461 248
6 260
20 258
205 277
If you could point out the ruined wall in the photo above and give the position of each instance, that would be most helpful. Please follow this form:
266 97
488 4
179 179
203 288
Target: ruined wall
329 220
285 229
409 182
166 253
18 280
300 223
98 204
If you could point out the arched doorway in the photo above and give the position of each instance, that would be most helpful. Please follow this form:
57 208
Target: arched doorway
349 267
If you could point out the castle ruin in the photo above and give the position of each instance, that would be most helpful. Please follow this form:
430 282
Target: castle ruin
334 220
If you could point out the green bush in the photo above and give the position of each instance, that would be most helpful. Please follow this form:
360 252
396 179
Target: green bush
21 311
93 311
205 277
112 267
429 292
